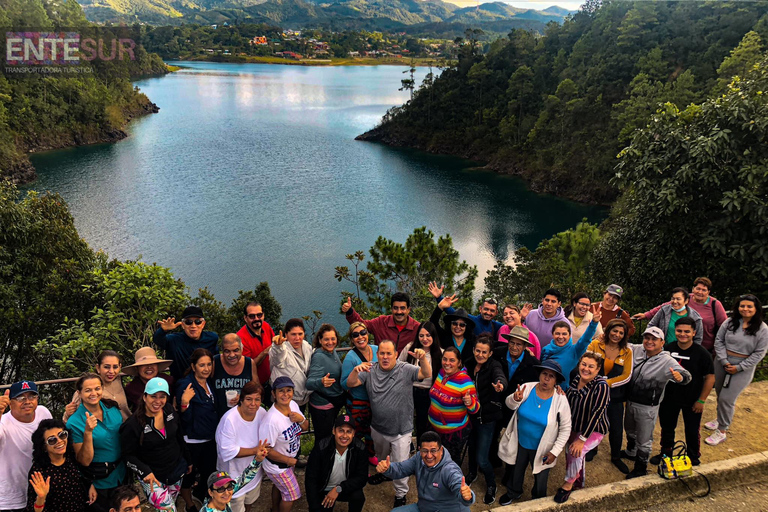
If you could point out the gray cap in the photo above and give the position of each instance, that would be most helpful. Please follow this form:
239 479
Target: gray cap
655 332
616 290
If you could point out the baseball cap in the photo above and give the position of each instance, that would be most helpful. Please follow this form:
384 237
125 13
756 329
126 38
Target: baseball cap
156 385
283 382
192 312
616 290
655 332
25 386
219 479
344 419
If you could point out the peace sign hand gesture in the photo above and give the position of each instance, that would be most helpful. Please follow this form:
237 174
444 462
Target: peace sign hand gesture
597 315
498 386
262 450
518 396
169 323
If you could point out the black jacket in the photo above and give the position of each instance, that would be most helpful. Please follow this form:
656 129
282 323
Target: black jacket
446 337
490 400
320 465
525 373
200 419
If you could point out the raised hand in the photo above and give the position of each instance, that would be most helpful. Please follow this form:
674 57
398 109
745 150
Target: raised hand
467 398
363 367
383 465
169 323
262 449
418 354
296 417
597 315
5 401
435 290
41 486
526 309
90 422
518 396
328 380
188 395
466 492
279 339
347 305
498 386
448 302
676 375
72 406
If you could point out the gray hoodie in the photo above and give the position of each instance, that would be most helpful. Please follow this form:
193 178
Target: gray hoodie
439 487
662 317
651 374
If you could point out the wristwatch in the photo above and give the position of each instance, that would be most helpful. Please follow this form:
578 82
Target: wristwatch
338 489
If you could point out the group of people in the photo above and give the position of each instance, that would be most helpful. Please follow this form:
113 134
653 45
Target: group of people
218 415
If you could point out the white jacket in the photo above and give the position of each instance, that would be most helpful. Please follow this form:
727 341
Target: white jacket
555 435
285 361
576 332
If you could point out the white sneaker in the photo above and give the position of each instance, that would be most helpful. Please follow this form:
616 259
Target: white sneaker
716 438
711 425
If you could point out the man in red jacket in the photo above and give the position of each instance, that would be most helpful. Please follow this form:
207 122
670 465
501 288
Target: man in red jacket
257 336
398 327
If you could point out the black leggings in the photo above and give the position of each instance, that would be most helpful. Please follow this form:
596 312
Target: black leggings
421 402
322 421
616 428
204 462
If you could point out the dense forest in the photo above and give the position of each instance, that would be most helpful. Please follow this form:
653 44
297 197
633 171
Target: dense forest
557 108
43 111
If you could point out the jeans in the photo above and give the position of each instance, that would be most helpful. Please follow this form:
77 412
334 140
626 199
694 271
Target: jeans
669 411
479 445
525 457
616 428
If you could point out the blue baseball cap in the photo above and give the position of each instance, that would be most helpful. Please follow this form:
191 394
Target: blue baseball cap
25 386
283 382
156 385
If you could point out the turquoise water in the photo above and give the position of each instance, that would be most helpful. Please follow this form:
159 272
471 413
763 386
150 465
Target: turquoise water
251 173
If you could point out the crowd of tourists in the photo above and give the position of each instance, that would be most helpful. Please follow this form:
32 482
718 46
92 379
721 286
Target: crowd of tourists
214 417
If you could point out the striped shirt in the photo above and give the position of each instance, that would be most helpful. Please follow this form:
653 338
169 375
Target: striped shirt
589 406
447 412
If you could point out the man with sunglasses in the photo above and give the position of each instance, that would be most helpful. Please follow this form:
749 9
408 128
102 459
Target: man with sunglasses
257 336
179 346
16 431
398 327
484 322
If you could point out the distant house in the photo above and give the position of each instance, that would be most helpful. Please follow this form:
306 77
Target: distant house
259 40
354 54
214 27
289 55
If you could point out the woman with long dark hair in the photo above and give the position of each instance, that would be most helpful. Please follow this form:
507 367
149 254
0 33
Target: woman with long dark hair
324 381
358 403
55 481
199 419
109 364
154 448
95 436
740 344
427 340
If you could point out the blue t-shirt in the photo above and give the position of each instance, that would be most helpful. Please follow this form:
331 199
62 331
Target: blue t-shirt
106 442
532 420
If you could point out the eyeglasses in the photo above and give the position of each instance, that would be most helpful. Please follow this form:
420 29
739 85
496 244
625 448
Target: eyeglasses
432 451
222 490
196 321
52 440
585 304
254 316
357 334
458 324
24 399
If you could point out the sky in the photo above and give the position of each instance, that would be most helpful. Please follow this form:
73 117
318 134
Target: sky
524 3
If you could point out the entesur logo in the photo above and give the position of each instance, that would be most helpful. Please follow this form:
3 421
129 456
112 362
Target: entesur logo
64 48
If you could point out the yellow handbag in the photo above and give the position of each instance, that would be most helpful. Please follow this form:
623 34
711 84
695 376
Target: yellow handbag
678 465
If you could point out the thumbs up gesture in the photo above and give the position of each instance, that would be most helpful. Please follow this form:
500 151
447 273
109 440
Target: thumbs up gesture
467 399
90 421
383 465
347 305
466 492
518 396
5 401
328 381
676 375
279 339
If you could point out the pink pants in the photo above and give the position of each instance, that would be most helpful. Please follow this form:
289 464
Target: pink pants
574 466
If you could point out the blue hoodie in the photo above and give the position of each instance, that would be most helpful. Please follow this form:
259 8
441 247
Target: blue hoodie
568 355
439 487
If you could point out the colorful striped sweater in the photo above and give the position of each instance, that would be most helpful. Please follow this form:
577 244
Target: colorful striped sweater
447 412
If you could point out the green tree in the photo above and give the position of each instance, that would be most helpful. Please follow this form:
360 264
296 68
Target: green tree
741 59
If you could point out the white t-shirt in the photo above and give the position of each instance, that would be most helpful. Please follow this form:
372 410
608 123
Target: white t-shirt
284 436
16 457
232 434
338 472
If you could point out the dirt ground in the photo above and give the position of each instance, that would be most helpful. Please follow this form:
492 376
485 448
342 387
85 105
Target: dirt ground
747 435
749 498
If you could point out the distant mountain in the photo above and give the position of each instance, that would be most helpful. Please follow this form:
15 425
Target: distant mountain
334 14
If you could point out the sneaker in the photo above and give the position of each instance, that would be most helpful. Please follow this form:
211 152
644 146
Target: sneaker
471 477
716 438
711 425
509 497
399 502
378 478
373 461
490 495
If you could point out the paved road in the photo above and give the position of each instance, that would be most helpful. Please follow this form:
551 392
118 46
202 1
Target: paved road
751 498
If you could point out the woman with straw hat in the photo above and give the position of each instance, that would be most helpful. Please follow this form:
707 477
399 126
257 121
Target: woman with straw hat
146 367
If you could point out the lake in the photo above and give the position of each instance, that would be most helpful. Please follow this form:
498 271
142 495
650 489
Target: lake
250 173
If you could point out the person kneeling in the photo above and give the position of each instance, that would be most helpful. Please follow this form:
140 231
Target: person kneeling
337 469
221 486
441 485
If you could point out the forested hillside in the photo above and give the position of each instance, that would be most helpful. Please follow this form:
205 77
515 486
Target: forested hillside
558 108
44 111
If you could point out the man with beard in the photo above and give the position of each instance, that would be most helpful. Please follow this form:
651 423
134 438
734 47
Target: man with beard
179 346
231 371
337 469
256 336
398 327
484 322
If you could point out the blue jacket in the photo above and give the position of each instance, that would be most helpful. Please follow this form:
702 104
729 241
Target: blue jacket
568 355
481 326
350 361
322 364
439 487
179 347
199 420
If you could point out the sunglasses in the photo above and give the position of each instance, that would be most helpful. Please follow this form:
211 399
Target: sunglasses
357 334
254 316
52 440
222 490
196 321
458 324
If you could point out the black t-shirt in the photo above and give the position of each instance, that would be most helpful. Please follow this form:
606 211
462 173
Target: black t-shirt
223 382
696 360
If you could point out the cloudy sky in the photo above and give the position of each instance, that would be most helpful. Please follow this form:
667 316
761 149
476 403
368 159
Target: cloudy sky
524 3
